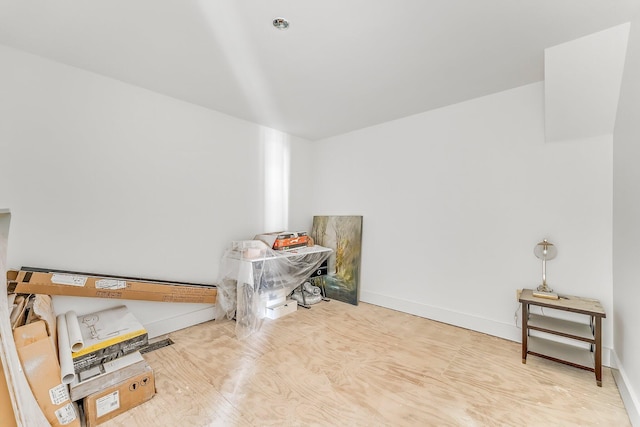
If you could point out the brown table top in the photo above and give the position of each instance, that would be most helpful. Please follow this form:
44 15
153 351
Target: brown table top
566 302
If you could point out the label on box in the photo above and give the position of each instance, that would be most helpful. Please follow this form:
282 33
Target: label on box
66 414
59 394
68 279
110 284
108 403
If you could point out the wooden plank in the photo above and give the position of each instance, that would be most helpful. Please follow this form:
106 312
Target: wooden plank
566 302
339 364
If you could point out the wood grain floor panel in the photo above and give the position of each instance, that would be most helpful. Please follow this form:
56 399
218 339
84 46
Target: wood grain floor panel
183 397
340 365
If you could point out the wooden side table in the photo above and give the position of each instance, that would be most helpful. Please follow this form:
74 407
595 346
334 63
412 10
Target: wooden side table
590 358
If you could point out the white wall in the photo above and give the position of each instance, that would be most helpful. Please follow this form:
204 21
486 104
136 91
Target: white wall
454 201
105 177
582 84
4 228
626 229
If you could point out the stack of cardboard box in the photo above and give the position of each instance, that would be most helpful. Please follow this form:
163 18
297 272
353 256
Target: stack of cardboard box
109 374
105 377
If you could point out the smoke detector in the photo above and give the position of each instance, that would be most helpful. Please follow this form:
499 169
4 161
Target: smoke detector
281 23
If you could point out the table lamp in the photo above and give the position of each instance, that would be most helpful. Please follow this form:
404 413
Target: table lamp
545 251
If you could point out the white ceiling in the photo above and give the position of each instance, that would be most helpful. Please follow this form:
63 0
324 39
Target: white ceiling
341 66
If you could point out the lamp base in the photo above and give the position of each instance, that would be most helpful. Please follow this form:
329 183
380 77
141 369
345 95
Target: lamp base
544 288
543 291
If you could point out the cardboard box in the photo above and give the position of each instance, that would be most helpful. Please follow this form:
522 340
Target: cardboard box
107 335
273 297
113 401
51 282
6 408
250 249
106 375
40 364
280 310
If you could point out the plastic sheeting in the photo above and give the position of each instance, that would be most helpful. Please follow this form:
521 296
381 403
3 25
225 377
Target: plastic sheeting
252 276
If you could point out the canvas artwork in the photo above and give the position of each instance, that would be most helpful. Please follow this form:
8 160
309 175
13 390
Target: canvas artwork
343 234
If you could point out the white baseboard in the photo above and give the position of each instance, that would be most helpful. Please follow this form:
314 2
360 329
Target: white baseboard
508 331
181 321
628 394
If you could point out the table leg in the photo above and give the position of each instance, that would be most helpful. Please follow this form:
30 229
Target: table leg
598 362
525 332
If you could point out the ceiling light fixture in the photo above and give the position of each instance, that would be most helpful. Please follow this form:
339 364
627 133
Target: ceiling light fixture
281 23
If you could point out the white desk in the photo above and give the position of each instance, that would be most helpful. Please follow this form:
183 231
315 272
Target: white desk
307 259
254 277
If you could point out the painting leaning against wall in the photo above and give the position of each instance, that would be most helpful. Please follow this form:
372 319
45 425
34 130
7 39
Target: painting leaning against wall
343 234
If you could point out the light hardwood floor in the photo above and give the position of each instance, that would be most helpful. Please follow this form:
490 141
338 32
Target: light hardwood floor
340 365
